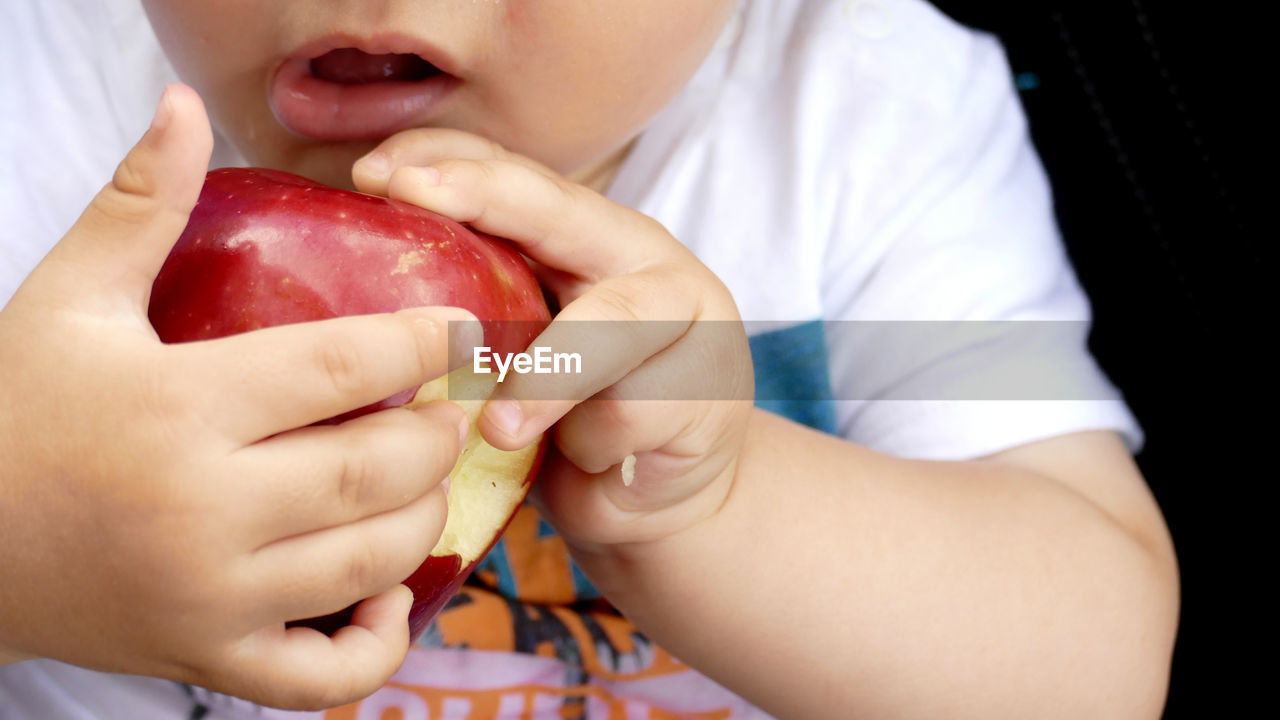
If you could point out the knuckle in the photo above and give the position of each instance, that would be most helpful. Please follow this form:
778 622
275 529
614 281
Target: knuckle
487 170
486 174
430 439
614 304
494 149
357 480
421 525
132 179
568 193
610 411
461 193
457 172
566 196
363 570
612 420
134 196
343 364
168 406
117 206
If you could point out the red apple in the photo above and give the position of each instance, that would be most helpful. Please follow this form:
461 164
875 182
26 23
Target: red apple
266 248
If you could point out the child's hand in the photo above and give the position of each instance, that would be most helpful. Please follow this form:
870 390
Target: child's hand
160 512
616 273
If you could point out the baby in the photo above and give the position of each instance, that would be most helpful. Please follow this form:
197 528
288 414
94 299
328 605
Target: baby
841 548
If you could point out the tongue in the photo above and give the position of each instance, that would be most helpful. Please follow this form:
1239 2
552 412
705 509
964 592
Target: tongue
349 66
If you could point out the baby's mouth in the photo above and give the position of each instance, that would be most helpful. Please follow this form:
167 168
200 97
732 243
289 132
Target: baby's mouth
348 93
350 66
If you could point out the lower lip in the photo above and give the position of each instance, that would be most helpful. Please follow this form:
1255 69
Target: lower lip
323 110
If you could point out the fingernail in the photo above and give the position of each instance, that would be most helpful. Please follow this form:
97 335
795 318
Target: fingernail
464 337
506 416
164 111
376 165
462 331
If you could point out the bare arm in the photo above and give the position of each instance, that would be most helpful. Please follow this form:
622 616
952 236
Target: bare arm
813 577
1040 582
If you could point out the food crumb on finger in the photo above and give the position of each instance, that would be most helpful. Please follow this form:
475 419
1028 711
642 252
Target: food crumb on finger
629 470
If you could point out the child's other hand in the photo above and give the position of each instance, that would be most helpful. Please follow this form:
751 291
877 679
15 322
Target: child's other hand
160 511
654 326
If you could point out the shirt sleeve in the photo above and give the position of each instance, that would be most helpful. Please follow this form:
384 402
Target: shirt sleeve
956 326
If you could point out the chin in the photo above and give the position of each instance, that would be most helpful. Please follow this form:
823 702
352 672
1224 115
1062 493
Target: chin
324 162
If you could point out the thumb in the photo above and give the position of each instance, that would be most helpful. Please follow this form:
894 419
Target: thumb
127 231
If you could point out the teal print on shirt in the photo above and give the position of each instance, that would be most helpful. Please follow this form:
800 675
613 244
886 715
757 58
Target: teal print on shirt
792 378
791 381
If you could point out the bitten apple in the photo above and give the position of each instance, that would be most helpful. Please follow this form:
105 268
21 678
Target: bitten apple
266 248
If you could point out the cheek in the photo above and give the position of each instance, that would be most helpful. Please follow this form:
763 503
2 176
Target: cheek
200 38
216 47
224 51
589 80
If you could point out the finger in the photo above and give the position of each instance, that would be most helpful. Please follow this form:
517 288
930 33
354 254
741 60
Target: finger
324 476
678 400
322 572
128 229
424 146
614 328
602 432
302 669
600 508
642 462
552 220
268 381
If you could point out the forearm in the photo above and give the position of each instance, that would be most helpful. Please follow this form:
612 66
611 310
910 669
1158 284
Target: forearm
870 586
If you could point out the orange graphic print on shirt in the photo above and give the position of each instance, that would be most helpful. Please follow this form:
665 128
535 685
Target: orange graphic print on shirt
527 638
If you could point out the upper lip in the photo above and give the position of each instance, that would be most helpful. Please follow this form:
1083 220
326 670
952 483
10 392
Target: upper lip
378 44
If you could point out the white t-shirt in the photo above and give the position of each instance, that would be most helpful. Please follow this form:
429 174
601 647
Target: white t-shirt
857 172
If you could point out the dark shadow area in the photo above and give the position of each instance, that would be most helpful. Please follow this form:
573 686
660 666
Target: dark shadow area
1147 117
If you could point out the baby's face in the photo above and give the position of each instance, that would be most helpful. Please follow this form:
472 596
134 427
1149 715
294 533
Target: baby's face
310 86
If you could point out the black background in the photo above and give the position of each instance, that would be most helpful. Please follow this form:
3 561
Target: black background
1148 117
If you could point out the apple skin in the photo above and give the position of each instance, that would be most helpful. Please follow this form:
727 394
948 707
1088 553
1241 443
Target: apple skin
266 248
